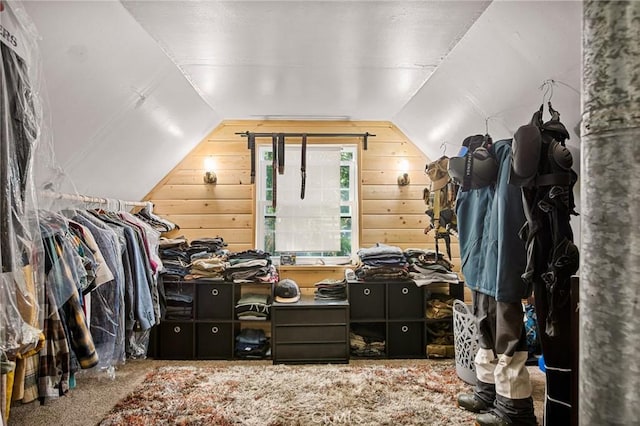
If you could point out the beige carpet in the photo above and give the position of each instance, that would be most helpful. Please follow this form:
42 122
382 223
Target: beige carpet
94 397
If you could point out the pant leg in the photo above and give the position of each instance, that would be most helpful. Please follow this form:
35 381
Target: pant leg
513 384
485 360
557 351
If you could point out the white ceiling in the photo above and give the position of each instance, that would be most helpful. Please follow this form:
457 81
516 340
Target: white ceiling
354 59
493 77
134 85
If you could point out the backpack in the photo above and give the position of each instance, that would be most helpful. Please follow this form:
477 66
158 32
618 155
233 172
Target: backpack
440 199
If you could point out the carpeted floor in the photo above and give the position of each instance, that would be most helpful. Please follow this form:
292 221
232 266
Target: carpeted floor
231 392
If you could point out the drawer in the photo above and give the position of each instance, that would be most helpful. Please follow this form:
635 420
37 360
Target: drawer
366 301
323 333
405 300
405 339
306 316
214 301
176 340
214 340
311 352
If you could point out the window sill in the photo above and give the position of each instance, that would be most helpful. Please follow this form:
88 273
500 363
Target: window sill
312 267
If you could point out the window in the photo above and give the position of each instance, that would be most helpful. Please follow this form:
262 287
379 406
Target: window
322 226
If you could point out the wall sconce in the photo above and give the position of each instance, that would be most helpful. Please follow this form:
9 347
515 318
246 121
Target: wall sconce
403 177
209 175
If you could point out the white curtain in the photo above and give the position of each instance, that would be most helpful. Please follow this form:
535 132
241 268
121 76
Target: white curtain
319 213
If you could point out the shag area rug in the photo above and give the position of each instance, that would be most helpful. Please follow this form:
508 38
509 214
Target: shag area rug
296 395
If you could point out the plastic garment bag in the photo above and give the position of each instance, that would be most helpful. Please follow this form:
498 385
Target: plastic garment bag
20 243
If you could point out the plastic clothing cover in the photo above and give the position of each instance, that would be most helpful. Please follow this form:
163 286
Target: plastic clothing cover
45 253
21 292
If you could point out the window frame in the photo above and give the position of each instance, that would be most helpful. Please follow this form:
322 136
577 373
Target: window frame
262 204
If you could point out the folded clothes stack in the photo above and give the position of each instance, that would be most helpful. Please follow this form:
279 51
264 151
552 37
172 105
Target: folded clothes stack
331 289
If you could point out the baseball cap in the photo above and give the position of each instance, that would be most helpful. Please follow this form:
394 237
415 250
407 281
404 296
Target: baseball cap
286 291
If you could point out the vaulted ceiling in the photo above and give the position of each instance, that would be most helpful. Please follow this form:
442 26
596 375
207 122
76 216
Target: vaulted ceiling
132 86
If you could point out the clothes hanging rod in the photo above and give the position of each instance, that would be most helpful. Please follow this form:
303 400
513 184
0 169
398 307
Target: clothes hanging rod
94 200
309 135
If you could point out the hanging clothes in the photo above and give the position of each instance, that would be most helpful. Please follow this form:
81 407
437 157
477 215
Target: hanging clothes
493 257
146 305
158 223
542 167
107 321
20 247
19 130
68 342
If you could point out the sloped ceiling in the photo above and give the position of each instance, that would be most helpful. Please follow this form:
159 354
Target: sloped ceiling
352 59
122 115
134 85
493 79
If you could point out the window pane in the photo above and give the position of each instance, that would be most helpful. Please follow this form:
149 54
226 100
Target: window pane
344 177
345 236
312 223
269 180
269 223
345 195
269 242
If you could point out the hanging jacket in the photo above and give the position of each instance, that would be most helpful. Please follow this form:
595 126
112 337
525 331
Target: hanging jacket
489 219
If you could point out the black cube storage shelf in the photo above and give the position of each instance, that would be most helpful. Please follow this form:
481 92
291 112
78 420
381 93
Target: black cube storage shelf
208 329
398 308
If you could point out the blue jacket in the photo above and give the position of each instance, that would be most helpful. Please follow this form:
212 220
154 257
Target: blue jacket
489 218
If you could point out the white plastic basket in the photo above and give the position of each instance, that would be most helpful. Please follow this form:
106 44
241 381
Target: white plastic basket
465 341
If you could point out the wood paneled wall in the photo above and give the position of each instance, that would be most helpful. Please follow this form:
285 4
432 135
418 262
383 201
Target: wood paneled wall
389 213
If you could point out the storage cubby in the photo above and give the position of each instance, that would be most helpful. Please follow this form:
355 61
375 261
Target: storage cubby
367 301
439 337
405 301
212 300
397 311
214 340
176 340
200 320
404 339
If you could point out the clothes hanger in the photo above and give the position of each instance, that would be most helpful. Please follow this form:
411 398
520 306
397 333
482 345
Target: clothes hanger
547 85
487 137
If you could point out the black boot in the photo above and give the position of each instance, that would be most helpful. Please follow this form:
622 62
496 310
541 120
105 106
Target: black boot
491 419
514 411
472 402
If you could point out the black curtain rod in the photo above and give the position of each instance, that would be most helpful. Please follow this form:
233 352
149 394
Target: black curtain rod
309 135
278 141
252 136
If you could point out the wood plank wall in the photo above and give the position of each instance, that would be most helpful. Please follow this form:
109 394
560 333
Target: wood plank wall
389 213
